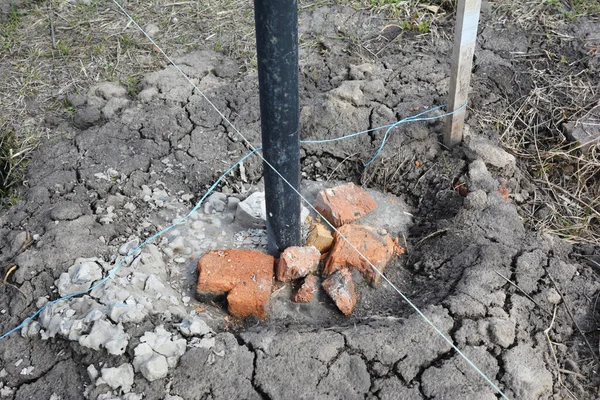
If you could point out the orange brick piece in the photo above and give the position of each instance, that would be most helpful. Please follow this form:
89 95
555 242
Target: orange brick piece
246 275
344 204
297 262
307 290
340 287
320 237
375 244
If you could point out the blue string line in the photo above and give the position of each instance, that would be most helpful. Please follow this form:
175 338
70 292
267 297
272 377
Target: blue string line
113 271
411 119
389 127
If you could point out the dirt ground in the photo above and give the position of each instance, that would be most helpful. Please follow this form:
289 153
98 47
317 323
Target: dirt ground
126 153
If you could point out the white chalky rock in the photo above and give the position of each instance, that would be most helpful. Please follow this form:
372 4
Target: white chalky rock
31 329
152 365
252 212
119 377
80 276
92 372
129 246
157 352
70 318
194 326
104 333
217 201
154 284
6 391
177 244
124 312
132 396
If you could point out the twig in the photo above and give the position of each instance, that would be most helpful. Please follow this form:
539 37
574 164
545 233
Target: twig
546 332
431 235
51 25
526 295
573 318
339 165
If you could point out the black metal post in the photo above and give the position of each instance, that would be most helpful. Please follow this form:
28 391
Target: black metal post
277 51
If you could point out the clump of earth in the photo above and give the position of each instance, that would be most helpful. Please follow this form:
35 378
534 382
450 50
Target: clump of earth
518 303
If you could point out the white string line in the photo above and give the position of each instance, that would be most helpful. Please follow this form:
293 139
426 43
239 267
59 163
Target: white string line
253 148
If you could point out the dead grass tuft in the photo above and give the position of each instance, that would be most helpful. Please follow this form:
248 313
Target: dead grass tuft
532 128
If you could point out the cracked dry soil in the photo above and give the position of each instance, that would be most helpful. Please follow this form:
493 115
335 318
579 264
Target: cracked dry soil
124 167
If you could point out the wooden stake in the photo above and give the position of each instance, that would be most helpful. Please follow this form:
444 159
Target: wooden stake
465 35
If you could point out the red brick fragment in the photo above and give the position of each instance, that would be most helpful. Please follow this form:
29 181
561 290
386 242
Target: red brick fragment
340 287
374 243
297 262
307 290
246 275
503 192
344 204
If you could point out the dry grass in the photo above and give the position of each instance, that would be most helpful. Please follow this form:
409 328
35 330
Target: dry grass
567 201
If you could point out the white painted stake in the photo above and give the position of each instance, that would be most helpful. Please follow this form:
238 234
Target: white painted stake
465 35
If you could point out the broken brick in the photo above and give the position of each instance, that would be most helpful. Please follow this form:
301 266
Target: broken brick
320 237
297 262
503 192
246 275
344 204
374 243
340 287
307 290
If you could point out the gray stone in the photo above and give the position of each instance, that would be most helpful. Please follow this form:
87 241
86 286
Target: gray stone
553 296
252 213
480 147
19 240
585 132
